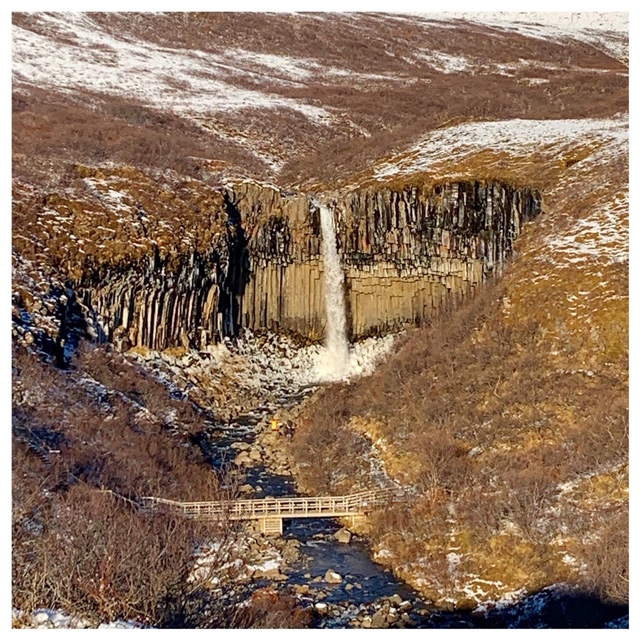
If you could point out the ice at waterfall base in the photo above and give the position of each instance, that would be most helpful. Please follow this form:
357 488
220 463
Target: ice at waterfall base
277 360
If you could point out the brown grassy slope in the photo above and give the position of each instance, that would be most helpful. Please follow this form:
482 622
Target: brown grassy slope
509 416
110 424
91 215
105 426
388 94
89 128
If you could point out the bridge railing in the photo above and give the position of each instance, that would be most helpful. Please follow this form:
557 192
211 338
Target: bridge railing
299 506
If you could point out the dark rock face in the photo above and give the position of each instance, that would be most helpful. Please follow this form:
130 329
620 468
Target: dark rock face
188 300
406 253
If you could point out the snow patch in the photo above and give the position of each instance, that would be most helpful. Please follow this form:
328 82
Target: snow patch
510 136
186 82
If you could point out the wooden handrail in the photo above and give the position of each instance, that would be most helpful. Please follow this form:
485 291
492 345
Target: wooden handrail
289 506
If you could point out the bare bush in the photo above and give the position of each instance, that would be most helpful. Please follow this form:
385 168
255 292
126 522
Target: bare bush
607 560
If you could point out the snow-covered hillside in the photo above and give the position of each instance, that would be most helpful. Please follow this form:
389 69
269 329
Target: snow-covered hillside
316 80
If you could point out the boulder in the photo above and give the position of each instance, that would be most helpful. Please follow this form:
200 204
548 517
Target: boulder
343 535
379 620
331 577
41 617
270 574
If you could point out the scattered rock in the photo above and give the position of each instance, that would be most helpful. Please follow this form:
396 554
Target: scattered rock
366 623
395 599
348 586
331 577
343 535
269 574
41 617
290 553
321 607
379 620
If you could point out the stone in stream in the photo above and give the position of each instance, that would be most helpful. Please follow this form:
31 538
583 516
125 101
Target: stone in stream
379 620
41 617
366 623
343 535
270 574
290 553
331 577
405 605
246 488
348 586
321 607
395 599
242 459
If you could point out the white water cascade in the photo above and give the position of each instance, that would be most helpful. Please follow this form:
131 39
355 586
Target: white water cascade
336 362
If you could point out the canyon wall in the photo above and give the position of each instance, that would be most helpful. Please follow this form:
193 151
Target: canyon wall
407 254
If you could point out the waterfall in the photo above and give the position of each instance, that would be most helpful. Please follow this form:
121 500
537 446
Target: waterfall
336 364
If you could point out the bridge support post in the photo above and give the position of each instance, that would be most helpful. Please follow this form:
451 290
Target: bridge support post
271 526
356 521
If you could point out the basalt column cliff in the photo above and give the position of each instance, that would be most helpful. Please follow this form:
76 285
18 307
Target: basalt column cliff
406 253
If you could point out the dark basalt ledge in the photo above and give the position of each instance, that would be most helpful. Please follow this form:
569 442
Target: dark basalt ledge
407 254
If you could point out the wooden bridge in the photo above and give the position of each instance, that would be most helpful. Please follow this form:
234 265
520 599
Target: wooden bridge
271 511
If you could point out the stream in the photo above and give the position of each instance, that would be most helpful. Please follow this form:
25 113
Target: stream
366 587
369 595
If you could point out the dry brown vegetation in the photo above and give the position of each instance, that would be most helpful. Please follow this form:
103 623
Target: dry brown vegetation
87 445
116 434
92 129
479 418
80 454
75 227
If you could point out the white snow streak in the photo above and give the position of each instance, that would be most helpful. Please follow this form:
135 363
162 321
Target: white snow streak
510 136
188 83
